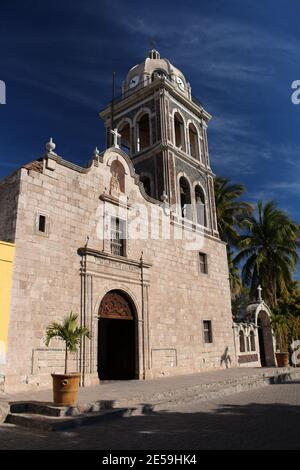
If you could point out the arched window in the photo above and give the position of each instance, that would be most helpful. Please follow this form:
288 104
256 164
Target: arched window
185 198
117 181
143 132
193 139
242 341
125 132
252 340
200 206
179 131
147 184
159 74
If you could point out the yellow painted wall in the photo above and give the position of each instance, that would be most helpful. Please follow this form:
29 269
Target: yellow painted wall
6 265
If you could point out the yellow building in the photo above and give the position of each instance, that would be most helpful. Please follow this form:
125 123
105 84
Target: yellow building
6 266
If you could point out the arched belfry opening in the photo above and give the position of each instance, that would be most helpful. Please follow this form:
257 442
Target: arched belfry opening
143 132
117 337
193 140
179 131
125 132
185 198
200 206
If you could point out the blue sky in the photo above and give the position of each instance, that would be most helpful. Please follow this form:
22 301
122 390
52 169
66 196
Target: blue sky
240 56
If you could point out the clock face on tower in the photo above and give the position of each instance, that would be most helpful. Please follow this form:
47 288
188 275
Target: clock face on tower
134 81
180 83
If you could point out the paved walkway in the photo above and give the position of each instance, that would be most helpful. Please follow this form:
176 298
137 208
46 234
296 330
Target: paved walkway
137 391
265 418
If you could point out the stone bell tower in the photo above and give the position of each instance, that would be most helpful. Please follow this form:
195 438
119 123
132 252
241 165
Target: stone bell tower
164 131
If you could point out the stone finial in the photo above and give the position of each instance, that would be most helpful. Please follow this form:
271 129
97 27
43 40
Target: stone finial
96 153
50 146
259 296
164 197
153 53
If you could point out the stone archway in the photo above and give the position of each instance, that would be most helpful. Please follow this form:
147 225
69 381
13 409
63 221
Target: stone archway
259 314
265 339
117 337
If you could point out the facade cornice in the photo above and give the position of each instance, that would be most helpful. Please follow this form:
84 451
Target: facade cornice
165 146
148 90
85 251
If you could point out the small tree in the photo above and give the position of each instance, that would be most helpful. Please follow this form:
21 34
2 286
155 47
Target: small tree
69 333
281 328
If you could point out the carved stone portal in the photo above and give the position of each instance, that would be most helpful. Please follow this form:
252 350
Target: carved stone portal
115 305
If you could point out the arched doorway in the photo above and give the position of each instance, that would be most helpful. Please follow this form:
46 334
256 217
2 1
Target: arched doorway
117 337
265 339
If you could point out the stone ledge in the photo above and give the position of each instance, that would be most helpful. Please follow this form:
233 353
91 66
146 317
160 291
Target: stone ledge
50 423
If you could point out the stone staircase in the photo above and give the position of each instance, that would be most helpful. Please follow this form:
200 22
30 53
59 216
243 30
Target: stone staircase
49 417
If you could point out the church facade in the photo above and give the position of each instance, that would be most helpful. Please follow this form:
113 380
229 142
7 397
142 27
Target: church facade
129 242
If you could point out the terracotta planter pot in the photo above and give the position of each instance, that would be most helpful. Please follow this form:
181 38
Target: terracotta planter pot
65 388
282 359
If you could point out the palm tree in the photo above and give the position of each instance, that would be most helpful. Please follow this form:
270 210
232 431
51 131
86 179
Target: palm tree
69 332
269 250
234 275
231 211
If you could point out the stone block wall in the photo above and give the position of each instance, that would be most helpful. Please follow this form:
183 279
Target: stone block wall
48 282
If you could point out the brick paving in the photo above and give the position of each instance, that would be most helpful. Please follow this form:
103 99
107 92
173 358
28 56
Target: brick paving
265 418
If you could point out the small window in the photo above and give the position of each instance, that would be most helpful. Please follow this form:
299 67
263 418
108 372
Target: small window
159 74
42 223
252 341
242 342
207 331
203 268
118 236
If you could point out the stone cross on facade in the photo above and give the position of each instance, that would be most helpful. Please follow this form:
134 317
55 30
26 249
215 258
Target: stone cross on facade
259 289
116 135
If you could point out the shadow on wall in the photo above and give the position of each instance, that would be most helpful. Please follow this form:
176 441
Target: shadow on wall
226 358
264 425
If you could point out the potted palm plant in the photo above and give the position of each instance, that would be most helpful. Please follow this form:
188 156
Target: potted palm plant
281 328
65 386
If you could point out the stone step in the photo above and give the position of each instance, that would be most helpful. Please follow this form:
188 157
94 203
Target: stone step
57 423
49 416
50 409
208 391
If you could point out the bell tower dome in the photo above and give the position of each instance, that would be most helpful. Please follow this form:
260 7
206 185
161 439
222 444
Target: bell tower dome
163 129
